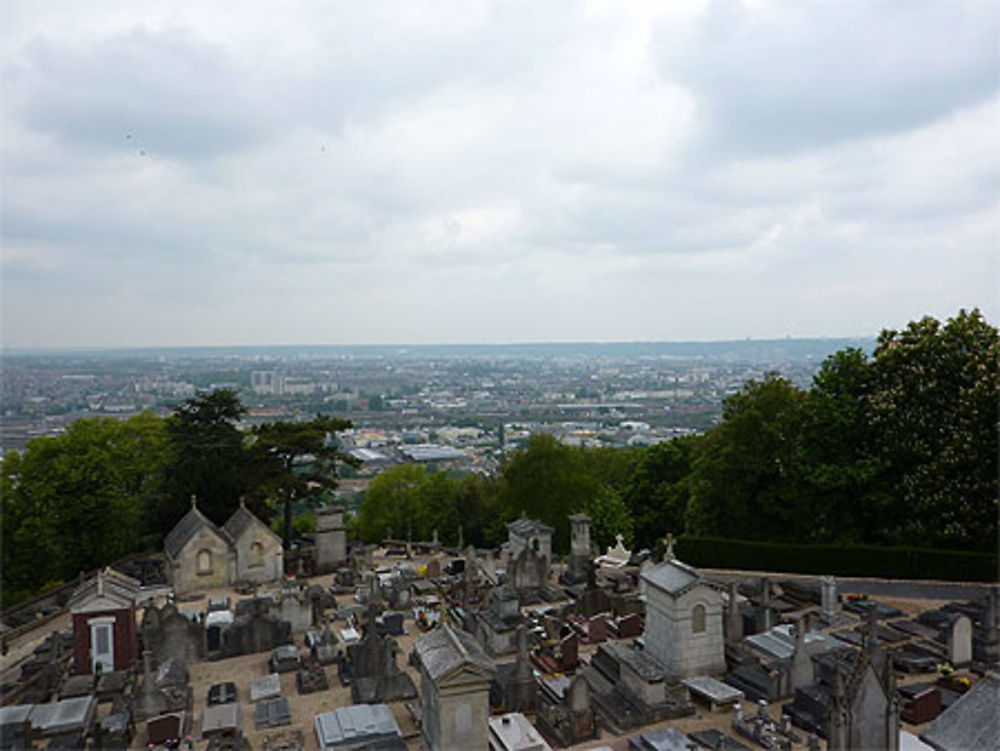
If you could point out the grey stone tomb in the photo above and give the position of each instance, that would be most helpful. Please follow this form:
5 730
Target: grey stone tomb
331 539
455 678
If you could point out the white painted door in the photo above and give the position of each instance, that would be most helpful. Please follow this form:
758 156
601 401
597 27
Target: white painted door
102 646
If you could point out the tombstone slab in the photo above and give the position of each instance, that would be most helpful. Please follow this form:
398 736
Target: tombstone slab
267 687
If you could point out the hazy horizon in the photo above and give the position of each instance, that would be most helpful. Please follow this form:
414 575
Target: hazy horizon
405 346
190 174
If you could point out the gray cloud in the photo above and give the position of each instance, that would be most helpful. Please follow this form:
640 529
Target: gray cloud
808 74
164 92
573 172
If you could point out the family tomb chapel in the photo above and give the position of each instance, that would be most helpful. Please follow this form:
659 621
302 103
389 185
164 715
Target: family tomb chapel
455 678
684 619
202 556
104 624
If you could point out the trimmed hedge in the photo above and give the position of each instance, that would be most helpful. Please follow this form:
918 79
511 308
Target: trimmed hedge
842 560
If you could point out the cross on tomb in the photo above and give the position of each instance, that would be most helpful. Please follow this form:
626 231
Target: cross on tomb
668 547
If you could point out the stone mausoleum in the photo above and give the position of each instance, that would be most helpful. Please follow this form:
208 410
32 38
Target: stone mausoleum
455 679
202 556
684 617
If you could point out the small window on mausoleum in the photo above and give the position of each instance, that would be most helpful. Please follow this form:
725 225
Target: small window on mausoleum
256 555
205 562
698 619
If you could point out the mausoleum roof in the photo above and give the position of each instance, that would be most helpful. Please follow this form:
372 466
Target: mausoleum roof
445 651
673 577
525 527
241 520
973 721
185 529
108 589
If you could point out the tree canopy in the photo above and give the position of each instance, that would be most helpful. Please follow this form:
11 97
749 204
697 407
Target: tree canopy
290 460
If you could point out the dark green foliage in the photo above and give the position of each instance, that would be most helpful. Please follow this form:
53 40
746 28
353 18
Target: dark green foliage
933 415
746 479
410 502
659 489
842 560
79 500
207 459
478 506
289 460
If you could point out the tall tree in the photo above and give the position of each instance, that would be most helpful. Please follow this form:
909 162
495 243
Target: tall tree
659 489
392 501
843 476
609 517
547 481
79 500
933 412
745 481
208 456
293 459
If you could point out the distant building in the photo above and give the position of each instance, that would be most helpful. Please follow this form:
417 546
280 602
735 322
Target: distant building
265 382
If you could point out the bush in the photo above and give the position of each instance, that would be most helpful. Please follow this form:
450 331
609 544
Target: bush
841 560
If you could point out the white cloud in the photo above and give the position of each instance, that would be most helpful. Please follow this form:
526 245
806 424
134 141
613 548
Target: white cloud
494 171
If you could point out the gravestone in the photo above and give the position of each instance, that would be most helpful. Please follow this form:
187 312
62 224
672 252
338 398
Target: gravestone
433 568
256 632
271 714
960 641
331 539
734 619
267 687
579 552
803 672
375 676
828 597
168 633
310 680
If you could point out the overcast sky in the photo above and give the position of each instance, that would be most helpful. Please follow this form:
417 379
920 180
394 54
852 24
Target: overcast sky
342 172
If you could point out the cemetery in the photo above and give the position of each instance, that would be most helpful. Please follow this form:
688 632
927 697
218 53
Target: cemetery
411 645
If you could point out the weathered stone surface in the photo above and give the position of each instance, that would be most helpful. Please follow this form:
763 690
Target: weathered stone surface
267 687
455 682
684 616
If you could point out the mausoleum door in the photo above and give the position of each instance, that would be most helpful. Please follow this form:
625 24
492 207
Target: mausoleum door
102 644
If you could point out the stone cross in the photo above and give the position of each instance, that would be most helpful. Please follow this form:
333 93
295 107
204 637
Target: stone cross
194 501
668 548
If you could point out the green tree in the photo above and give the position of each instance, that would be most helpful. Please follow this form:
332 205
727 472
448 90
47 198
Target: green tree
437 508
842 475
659 490
745 481
547 481
79 500
392 500
478 508
609 517
933 413
291 460
208 457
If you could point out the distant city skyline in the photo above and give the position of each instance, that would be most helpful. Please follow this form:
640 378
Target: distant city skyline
188 174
